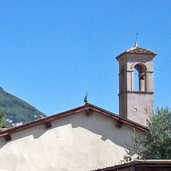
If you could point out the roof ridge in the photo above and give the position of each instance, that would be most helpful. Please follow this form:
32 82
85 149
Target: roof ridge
70 112
137 50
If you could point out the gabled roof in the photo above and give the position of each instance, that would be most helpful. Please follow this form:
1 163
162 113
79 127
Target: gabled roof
88 108
137 50
160 164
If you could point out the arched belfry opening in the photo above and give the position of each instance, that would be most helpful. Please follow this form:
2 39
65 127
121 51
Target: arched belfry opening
140 81
136 84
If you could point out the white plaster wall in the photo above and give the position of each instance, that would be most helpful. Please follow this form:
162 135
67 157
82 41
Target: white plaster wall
74 143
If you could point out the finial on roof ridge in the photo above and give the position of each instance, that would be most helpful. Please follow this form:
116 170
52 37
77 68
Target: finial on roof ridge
86 98
136 40
136 44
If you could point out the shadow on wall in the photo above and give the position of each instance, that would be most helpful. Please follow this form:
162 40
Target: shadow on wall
105 127
96 123
36 132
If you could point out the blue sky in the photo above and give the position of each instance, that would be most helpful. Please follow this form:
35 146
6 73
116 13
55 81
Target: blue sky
53 51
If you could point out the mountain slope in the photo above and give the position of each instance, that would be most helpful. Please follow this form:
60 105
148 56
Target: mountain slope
17 111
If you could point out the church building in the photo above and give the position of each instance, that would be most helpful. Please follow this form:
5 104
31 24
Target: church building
87 137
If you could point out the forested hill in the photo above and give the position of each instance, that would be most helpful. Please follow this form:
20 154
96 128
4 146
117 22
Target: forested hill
17 111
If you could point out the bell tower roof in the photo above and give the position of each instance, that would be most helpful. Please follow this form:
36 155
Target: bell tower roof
137 50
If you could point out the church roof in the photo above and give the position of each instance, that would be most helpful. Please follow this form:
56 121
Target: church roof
137 50
88 108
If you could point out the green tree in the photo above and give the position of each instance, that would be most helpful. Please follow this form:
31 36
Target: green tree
157 142
2 119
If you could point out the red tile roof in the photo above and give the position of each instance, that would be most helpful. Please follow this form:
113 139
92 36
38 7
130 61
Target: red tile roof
137 50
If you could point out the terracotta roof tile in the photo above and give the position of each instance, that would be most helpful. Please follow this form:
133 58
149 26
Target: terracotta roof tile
137 50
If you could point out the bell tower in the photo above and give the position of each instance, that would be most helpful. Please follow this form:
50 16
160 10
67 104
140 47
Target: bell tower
136 84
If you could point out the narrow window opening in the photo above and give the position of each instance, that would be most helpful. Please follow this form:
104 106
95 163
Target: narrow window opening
136 81
139 78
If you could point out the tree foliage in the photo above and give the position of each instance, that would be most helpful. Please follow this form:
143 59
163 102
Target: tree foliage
2 119
157 142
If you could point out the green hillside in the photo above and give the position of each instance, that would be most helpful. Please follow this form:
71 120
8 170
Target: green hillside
17 111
